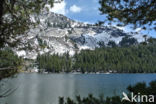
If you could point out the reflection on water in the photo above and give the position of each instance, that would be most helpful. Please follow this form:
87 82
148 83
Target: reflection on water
37 88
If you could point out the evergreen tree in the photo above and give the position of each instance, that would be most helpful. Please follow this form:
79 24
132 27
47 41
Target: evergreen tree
132 59
15 17
140 13
9 63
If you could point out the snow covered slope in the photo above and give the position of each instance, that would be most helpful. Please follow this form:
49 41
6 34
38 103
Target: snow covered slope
59 34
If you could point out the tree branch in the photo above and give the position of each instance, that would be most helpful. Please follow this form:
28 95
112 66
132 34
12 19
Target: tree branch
7 68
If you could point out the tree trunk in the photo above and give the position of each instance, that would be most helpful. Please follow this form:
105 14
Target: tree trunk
1 10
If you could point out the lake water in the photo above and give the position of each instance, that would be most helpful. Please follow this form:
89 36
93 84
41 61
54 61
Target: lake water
34 88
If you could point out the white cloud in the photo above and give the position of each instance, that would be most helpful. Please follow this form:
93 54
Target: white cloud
75 9
59 8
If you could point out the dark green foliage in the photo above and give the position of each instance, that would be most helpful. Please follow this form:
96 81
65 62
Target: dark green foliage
15 17
139 87
92 100
112 44
143 89
42 44
128 41
141 13
9 63
132 59
54 63
101 44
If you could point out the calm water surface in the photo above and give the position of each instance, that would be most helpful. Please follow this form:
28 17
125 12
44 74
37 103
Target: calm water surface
34 88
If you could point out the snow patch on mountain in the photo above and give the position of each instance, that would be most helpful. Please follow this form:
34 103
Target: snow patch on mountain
57 34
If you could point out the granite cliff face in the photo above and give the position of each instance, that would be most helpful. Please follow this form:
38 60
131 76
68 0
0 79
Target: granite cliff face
59 34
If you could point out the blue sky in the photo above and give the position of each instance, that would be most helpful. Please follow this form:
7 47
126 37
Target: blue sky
87 11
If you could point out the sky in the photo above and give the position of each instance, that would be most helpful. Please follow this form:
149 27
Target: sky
87 11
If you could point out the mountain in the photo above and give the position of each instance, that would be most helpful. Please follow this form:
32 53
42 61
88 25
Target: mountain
59 34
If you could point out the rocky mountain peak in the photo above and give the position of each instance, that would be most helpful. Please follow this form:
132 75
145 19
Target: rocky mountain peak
58 34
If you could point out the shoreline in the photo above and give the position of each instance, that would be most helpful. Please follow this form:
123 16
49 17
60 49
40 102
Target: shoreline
107 73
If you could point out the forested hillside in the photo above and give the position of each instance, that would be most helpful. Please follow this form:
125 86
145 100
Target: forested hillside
54 63
131 59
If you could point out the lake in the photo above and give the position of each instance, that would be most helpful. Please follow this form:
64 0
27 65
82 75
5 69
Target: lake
34 88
